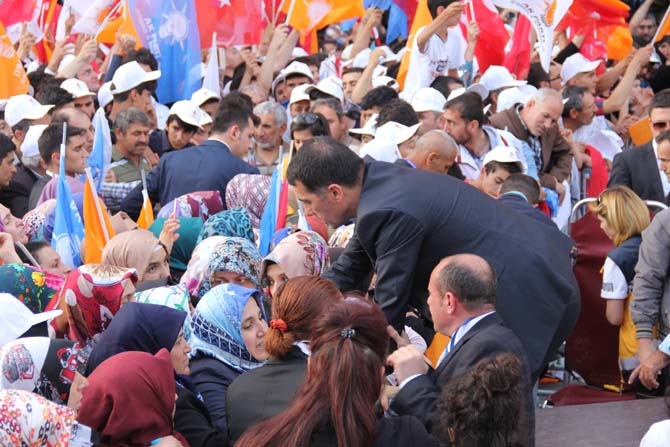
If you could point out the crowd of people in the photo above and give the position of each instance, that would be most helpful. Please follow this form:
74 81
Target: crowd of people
418 280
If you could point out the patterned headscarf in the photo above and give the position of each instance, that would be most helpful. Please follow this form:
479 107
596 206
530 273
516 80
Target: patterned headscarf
34 220
32 287
301 253
249 191
234 222
221 254
92 296
174 297
27 419
42 365
217 326
194 204
342 236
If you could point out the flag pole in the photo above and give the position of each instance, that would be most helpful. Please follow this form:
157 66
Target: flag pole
290 11
472 11
660 25
107 17
98 210
275 14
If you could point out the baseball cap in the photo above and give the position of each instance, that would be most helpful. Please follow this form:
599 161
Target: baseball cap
496 77
130 75
189 112
576 64
369 128
77 88
428 99
29 147
396 133
16 318
22 107
104 94
515 95
299 93
387 81
504 154
203 95
332 86
294 67
478 88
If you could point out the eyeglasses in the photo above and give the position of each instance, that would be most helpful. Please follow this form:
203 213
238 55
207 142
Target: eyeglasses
660 126
306 118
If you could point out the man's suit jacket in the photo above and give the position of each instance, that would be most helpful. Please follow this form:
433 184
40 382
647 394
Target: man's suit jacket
207 167
638 169
485 339
408 220
15 195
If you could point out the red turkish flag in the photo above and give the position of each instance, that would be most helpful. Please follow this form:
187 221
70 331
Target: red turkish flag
235 22
16 11
490 48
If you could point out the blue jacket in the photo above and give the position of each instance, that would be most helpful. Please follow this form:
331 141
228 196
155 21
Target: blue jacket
208 167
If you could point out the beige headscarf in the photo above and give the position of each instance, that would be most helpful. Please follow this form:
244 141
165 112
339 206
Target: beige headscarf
130 249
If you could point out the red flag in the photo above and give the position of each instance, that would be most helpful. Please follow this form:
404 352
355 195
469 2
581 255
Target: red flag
517 60
490 48
235 22
16 11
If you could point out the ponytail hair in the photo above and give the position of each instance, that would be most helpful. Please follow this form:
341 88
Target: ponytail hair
342 384
299 303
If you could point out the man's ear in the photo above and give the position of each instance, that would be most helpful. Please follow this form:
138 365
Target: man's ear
573 113
55 159
234 132
336 192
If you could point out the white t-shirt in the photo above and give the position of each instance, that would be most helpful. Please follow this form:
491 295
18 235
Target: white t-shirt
615 286
658 435
439 57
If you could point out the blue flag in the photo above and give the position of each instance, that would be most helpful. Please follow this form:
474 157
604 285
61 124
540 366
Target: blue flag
101 155
68 229
169 29
269 218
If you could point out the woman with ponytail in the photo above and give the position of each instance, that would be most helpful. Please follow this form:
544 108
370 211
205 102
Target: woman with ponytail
264 392
335 405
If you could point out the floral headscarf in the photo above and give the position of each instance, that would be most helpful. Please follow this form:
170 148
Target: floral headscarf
219 253
233 222
195 204
341 236
301 253
91 296
34 220
27 419
42 365
174 297
249 191
217 326
32 287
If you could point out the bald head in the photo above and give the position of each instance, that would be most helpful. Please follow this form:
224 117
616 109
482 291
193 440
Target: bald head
470 278
434 151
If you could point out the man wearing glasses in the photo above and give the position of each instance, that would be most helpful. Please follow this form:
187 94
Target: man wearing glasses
639 168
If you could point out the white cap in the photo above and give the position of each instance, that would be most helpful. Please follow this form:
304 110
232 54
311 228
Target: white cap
428 99
206 119
298 52
77 88
105 94
396 133
496 77
16 318
504 154
380 150
479 89
332 85
203 95
189 112
29 147
370 127
299 93
130 75
292 68
362 59
515 95
386 81
576 64
21 107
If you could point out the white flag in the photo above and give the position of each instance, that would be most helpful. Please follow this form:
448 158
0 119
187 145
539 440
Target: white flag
211 80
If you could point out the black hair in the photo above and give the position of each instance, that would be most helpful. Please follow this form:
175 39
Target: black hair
663 136
314 122
323 161
347 70
397 110
537 75
434 4
188 128
142 56
441 84
330 102
22 125
231 112
149 86
469 106
54 95
511 167
6 146
52 137
33 248
378 97
524 184
39 79
473 286
661 100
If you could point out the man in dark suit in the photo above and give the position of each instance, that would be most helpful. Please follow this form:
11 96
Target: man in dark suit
409 219
638 168
462 302
207 167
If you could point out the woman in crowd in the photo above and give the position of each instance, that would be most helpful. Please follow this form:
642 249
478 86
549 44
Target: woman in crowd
335 405
233 222
623 216
48 259
300 253
307 126
228 339
130 400
220 260
182 249
31 286
481 407
249 191
264 392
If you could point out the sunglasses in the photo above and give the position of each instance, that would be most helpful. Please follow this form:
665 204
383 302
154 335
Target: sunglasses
660 125
306 118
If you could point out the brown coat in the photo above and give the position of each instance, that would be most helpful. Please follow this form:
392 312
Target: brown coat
556 156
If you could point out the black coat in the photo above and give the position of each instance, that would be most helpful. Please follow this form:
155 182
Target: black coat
393 432
207 167
264 392
15 195
487 338
638 169
212 377
192 420
408 220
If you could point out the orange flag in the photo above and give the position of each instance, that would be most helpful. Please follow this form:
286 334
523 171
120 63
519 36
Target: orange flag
98 229
14 80
308 15
146 217
664 27
421 18
113 20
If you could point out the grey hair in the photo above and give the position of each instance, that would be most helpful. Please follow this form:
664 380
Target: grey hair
131 115
279 112
543 94
332 103
31 162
